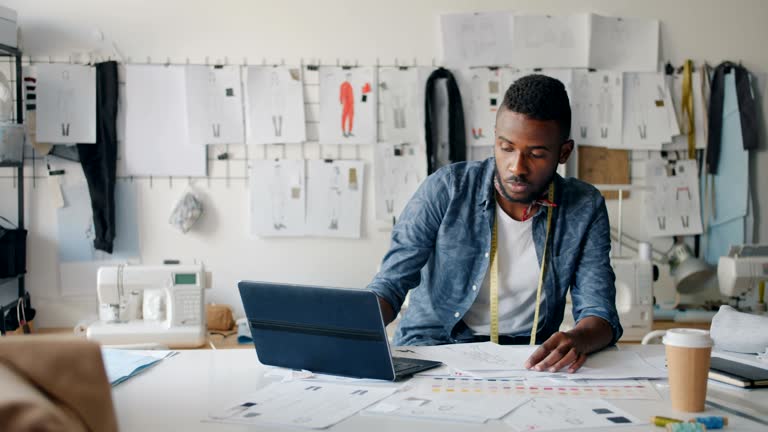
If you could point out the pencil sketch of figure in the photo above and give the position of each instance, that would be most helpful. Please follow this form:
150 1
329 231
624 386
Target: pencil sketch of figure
65 95
605 106
277 194
334 197
278 103
347 100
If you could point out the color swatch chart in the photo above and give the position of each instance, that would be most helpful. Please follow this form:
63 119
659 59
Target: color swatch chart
503 386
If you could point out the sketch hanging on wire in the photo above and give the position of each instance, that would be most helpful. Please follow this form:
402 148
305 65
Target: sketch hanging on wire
348 106
402 92
156 125
335 198
481 94
597 108
672 203
277 198
649 117
545 41
399 170
215 104
476 39
66 103
275 105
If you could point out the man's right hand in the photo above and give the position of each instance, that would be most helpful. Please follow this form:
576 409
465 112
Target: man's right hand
387 313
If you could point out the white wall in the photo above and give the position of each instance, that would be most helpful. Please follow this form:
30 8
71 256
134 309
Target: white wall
325 31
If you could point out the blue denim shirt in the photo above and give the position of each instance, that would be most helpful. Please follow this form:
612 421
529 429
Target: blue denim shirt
441 243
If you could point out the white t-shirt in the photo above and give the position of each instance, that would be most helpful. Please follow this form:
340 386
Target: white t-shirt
518 280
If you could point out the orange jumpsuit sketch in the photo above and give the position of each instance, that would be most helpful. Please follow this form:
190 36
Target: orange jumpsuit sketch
347 99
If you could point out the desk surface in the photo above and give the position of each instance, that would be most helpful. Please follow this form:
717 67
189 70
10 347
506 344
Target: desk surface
181 391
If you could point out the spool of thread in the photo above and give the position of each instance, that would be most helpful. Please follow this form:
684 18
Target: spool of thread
663 421
711 422
686 427
644 251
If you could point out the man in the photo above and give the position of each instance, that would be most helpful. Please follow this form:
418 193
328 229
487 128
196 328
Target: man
442 243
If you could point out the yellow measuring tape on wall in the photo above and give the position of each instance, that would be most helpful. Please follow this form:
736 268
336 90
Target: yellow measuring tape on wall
495 276
687 102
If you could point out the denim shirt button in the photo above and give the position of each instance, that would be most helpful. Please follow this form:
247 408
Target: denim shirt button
487 254
474 287
457 314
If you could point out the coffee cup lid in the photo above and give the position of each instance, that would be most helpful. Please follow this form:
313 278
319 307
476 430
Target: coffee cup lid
690 338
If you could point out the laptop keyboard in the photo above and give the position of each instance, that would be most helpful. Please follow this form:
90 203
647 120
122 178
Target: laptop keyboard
403 364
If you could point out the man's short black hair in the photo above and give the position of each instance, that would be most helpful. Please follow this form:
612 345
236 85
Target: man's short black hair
541 98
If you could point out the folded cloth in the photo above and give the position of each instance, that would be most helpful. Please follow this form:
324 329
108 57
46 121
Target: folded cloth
54 384
739 332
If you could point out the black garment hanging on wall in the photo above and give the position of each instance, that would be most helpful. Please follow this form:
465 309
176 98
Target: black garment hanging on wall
456 133
99 161
747 111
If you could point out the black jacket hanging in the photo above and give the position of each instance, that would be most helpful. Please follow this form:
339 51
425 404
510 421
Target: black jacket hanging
747 111
99 161
456 132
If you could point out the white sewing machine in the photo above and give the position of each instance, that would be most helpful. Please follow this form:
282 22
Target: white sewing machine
151 304
742 270
634 296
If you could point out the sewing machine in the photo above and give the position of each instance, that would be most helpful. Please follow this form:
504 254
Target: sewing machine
151 305
742 270
634 296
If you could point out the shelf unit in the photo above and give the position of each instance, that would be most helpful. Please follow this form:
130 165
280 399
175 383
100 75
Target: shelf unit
8 297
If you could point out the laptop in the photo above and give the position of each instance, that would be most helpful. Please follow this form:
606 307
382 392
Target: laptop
334 331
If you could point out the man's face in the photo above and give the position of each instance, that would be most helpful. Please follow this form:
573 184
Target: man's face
527 153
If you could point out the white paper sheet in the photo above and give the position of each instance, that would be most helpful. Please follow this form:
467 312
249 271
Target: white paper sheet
477 39
508 361
275 105
66 103
402 94
481 96
542 41
348 105
672 206
398 171
473 356
335 198
624 44
157 138
467 400
215 104
597 108
278 198
649 116
302 404
569 414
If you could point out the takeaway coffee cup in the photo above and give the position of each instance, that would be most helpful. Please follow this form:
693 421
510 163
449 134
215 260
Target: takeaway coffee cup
688 352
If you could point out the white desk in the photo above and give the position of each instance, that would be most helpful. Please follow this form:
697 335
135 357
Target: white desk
180 392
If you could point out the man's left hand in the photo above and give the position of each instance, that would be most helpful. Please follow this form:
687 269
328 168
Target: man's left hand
561 350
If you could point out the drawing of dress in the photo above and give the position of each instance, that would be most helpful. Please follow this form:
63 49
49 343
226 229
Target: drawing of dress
347 99
334 198
278 103
277 194
477 107
214 107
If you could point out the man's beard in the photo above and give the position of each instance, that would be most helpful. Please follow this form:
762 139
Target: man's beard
532 196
